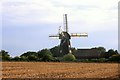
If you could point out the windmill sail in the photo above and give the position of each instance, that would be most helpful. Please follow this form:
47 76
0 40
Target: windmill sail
79 35
65 23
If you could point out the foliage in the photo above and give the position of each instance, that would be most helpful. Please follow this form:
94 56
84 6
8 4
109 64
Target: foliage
54 55
100 49
45 55
84 60
26 54
32 58
93 60
29 56
5 56
110 53
73 50
23 58
115 58
55 51
16 58
69 57
102 60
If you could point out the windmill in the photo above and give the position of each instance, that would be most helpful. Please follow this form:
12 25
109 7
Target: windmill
65 36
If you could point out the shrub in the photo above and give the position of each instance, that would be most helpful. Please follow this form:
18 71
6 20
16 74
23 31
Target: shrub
16 58
84 60
4 55
102 60
32 58
69 57
115 58
23 58
45 55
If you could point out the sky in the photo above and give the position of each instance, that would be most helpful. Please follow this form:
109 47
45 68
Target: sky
26 24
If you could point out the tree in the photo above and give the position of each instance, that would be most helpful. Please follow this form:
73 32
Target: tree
16 58
26 54
55 51
116 52
29 56
32 58
23 58
69 57
111 52
45 55
5 55
73 50
115 58
101 49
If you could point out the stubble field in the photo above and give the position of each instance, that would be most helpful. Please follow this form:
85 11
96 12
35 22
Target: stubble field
59 70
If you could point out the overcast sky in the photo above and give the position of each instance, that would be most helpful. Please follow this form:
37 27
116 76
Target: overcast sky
26 24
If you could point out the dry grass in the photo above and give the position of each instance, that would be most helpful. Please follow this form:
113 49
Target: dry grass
59 70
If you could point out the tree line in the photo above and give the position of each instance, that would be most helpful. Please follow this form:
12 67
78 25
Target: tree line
54 55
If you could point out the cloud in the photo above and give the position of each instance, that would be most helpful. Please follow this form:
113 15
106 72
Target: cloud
49 12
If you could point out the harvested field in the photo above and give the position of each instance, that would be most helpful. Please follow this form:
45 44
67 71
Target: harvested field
59 70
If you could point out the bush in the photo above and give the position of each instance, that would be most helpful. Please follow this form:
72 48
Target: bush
69 57
4 55
115 58
102 60
55 51
23 58
84 60
45 55
32 58
16 58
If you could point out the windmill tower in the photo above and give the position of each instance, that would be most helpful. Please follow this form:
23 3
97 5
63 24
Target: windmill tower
64 36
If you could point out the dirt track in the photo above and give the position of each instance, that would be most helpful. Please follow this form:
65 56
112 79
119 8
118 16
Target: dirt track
59 70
